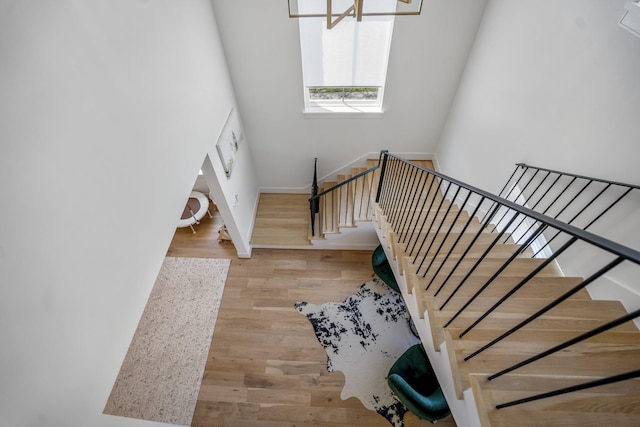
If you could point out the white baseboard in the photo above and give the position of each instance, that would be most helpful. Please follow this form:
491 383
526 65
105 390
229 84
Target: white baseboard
346 169
245 254
286 190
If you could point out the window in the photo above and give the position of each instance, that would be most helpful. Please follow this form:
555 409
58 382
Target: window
350 96
344 69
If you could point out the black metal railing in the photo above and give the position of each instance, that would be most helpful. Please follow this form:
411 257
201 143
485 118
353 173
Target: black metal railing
343 204
314 206
459 237
574 199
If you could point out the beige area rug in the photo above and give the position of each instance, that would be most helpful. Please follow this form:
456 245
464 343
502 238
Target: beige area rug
162 372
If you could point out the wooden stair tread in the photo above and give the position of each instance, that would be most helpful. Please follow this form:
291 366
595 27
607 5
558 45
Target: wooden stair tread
614 404
538 287
519 267
576 309
579 360
481 336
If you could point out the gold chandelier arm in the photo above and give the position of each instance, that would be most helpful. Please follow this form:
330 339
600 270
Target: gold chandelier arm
358 5
330 23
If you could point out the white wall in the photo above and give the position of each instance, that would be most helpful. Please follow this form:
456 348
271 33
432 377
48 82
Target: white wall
262 45
548 83
108 109
552 84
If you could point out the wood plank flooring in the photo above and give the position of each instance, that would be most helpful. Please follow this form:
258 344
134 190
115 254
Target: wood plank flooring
265 367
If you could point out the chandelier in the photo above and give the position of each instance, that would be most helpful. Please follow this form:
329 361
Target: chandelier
336 10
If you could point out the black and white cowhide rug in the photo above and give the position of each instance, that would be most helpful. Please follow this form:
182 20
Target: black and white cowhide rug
363 337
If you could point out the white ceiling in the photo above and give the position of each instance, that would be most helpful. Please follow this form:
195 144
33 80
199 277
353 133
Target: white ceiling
261 43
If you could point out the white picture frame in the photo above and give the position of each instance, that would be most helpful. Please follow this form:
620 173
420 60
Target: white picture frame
229 142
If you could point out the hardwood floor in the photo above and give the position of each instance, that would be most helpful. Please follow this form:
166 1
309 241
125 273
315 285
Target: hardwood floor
265 367
202 244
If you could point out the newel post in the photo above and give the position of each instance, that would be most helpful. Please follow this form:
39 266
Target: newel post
384 154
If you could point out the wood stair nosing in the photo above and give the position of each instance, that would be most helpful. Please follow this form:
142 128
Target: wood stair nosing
453 242
551 337
514 310
527 305
614 404
433 250
487 267
461 381
510 314
543 323
580 360
537 287
453 236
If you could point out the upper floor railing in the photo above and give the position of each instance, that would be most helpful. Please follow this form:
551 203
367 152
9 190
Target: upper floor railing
571 198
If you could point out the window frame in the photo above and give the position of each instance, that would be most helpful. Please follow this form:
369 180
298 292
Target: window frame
343 105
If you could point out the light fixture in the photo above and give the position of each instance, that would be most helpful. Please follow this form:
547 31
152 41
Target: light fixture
330 9
630 21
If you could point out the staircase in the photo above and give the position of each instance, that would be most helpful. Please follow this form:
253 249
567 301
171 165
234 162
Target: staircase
500 322
344 217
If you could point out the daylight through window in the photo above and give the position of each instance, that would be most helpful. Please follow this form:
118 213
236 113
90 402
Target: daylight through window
344 69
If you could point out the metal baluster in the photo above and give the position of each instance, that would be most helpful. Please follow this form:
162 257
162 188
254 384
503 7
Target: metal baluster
435 216
482 257
388 183
551 305
435 235
515 289
406 195
497 273
424 203
464 229
384 157
526 203
414 209
589 384
448 233
428 212
544 212
572 200
393 194
603 328
524 170
466 251
608 208
515 201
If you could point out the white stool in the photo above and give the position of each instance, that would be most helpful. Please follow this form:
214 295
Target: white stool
189 217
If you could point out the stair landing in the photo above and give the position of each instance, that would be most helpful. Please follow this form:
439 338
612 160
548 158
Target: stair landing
282 220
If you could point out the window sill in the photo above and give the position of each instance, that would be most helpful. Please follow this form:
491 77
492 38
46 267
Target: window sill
342 111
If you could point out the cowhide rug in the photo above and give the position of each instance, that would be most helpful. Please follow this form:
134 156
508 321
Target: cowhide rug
363 337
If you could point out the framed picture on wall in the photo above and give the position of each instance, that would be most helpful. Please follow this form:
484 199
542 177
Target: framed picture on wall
229 142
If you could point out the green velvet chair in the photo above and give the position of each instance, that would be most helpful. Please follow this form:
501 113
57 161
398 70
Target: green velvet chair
383 269
414 383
